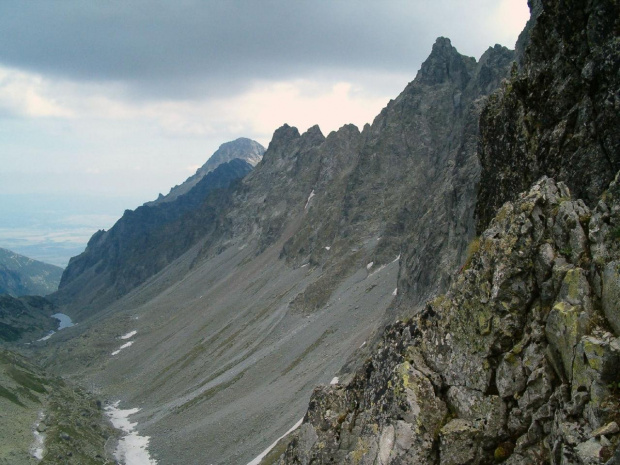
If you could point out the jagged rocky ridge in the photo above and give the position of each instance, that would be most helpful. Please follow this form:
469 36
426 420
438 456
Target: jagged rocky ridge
329 195
518 361
326 197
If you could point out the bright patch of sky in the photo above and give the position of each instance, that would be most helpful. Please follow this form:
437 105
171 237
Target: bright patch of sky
119 102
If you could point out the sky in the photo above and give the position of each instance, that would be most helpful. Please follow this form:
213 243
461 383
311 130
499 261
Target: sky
103 105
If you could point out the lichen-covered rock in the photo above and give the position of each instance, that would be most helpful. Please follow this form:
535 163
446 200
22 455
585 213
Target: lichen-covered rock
459 442
611 294
524 381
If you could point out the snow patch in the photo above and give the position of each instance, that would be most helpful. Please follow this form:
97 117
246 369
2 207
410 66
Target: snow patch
38 446
124 346
369 266
363 344
45 338
131 448
309 197
327 248
334 380
396 259
395 292
262 455
130 334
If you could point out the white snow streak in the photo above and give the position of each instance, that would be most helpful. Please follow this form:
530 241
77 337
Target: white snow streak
38 446
334 380
327 248
395 293
47 337
130 334
262 455
132 448
124 346
369 266
309 197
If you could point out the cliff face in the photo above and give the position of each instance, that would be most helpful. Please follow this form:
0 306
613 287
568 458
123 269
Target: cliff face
517 362
560 115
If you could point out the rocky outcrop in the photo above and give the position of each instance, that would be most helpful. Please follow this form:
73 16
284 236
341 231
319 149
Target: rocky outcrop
559 115
144 241
20 275
243 148
516 363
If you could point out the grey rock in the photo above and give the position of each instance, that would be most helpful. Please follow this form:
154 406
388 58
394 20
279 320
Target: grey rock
609 428
611 294
459 441
590 452
510 377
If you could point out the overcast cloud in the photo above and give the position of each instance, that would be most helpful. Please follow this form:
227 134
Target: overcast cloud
197 47
129 97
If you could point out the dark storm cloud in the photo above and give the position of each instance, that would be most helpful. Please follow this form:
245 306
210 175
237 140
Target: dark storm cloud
152 44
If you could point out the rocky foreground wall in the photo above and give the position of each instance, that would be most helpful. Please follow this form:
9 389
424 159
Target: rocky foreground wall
517 363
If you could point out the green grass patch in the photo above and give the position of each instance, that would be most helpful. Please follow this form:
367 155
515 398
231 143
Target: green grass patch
27 380
472 249
4 392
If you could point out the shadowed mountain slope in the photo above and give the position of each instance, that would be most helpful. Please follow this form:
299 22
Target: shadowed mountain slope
560 116
143 242
21 275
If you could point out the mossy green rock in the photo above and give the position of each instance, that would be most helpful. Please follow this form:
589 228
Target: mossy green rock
611 295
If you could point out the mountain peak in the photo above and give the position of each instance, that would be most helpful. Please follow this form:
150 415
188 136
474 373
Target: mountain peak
445 63
313 136
242 148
